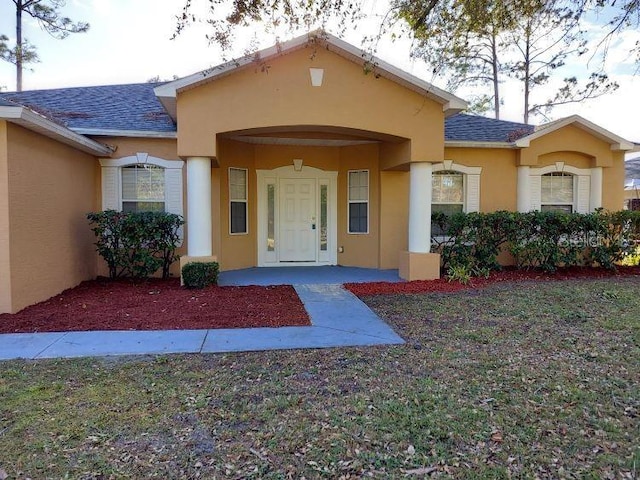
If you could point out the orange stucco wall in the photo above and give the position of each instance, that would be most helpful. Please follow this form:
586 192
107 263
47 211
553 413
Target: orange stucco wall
51 189
281 94
240 250
498 180
5 263
580 149
568 139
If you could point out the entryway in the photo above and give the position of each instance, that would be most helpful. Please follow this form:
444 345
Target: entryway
297 217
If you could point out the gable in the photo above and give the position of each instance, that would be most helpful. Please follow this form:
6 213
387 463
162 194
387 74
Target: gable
279 93
569 138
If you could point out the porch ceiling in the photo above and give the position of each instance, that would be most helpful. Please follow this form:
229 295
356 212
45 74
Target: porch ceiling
306 135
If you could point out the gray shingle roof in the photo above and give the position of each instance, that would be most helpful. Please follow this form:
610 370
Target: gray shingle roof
109 107
472 128
135 107
632 168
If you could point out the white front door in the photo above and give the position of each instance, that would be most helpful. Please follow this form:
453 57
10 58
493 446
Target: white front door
297 229
297 217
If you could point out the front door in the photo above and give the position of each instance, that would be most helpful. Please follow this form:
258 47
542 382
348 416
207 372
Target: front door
297 229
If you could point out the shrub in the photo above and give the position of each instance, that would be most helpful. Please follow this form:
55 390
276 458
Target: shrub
545 240
200 275
136 244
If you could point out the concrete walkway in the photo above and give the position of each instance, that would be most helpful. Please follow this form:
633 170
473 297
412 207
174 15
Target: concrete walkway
338 318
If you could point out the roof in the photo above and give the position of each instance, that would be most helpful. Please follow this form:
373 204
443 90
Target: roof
89 110
32 120
450 103
473 128
632 168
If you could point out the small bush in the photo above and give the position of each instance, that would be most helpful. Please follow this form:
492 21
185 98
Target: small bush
136 244
200 275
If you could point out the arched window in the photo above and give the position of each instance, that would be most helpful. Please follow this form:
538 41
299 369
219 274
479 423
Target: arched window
143 188
142 183
447 194
557 192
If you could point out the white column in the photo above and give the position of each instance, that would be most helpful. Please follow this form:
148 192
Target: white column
420 207
524 189
595 192
199 207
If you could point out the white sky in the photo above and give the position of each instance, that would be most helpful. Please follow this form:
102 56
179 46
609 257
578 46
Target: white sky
129 42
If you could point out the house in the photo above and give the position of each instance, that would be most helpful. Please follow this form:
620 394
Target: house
306 153
632 184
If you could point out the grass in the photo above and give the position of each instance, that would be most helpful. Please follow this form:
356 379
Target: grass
530 380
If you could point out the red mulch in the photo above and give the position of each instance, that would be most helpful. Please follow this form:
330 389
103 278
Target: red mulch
443 285
158 305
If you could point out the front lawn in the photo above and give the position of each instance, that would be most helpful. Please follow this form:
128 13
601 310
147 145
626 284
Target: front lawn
518 380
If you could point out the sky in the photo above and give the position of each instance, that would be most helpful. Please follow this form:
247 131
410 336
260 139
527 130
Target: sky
129 41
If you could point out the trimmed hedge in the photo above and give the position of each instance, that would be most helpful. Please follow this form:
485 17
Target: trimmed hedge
136 244
200 274
546 240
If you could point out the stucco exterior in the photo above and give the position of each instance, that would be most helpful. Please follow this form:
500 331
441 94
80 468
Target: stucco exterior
51 189
268 118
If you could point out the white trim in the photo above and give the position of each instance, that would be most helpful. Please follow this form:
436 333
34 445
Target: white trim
617 143
245 201
368 201
471 144
471 183
456 167
141 158
329 178
451 104
587 186
105 132
199 220
37 123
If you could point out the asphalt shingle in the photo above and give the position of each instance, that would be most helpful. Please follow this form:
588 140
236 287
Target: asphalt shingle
135 107
472 128
109 107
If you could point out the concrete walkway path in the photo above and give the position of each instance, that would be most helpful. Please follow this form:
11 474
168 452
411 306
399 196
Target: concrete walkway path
339 319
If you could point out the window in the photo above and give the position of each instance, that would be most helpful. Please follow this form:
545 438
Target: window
143 188
141 182
447 194
238 200
359 201
556 192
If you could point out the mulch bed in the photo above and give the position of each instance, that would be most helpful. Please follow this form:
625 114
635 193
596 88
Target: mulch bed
443 285
158 305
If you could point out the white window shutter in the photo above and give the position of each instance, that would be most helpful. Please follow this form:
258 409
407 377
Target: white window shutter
111 188
535 184
472 202
583 194
173 194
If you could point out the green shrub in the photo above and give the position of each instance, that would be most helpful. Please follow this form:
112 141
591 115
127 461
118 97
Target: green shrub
200 275
136 244
547 240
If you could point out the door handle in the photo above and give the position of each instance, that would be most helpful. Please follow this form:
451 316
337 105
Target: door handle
313 226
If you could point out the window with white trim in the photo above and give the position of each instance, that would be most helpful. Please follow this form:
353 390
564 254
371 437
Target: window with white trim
143 188
238 201
557 192
358 201
447 192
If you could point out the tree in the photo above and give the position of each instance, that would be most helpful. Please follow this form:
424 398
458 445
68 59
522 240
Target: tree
462 42
545 35
47 13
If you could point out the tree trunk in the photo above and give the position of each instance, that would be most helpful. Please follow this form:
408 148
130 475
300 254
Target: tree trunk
19 55
494 66
527 67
